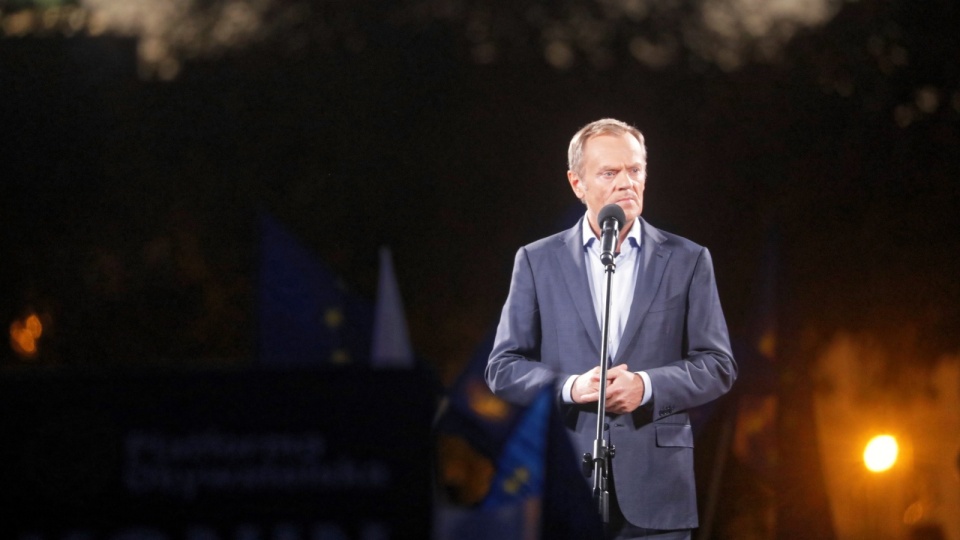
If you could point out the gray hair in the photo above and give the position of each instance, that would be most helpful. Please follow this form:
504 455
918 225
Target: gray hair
605 126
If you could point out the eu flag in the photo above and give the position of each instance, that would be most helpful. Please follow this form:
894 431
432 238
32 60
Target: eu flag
508 472
307 317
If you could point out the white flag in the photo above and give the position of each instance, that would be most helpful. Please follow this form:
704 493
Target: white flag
391 341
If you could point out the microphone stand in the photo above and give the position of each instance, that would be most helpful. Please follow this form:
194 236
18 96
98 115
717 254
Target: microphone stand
599 462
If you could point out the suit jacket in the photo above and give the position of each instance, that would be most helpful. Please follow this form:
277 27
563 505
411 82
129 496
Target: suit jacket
675 331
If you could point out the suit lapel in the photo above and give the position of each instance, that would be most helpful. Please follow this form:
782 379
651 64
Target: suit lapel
653 262
570 259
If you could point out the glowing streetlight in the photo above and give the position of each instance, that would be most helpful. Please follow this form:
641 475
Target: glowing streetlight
880 453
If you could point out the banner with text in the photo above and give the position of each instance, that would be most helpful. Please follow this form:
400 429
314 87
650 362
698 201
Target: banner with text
325 455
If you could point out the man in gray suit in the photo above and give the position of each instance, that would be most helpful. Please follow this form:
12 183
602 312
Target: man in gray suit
668 349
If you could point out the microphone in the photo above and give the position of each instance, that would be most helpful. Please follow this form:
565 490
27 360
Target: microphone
610 219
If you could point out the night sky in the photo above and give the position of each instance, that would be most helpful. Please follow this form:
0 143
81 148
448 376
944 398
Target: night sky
129 212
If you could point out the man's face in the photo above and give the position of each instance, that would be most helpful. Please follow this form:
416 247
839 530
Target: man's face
614 171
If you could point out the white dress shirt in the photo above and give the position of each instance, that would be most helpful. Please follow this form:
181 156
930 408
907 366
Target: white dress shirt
623 284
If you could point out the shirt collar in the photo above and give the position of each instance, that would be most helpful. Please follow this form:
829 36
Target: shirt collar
633 237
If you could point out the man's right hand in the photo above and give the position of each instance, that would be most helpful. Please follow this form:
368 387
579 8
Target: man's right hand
586 387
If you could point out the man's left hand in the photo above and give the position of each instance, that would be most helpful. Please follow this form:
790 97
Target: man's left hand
624 390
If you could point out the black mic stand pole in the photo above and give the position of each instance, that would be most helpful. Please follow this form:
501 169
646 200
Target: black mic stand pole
599 462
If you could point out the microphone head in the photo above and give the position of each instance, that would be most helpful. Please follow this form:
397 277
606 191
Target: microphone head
611 211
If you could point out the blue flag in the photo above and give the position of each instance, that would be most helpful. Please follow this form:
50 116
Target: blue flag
520 467
533 486
512 508
473 412
307 317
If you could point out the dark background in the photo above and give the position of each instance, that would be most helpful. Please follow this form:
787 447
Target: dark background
129 200
440 130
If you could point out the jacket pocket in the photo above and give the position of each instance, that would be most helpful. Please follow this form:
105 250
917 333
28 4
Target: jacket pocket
675 435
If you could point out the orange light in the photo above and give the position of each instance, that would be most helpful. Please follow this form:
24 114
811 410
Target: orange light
485 404
881 453
24 335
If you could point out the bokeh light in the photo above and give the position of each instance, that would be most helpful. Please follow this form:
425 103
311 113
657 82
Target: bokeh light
24 334
881 453
727 33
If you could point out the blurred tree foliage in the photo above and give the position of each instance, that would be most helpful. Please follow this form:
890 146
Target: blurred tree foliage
439 127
